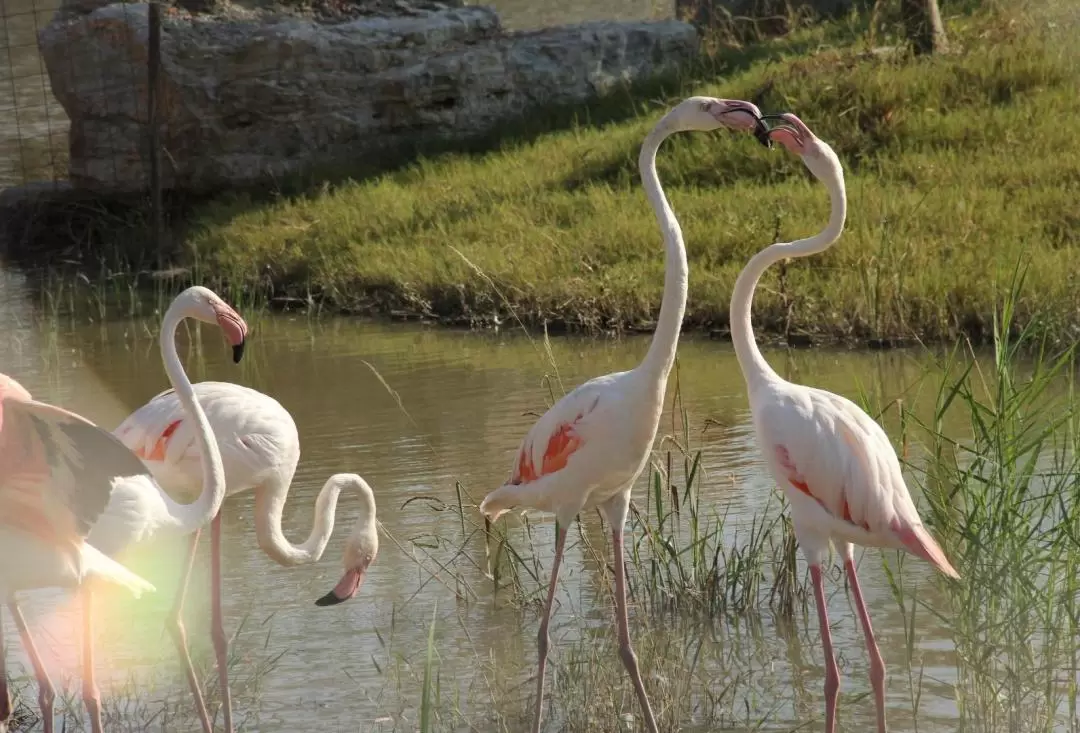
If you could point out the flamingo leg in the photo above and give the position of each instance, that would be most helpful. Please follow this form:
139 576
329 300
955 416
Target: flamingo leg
877 664
5 697
543 641
175 624
832 672
626 652
46 691
217 630
91 693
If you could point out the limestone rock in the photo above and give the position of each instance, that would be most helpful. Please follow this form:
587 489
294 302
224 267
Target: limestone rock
243 100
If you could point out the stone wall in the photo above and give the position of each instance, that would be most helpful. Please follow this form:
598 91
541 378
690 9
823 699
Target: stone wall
246 98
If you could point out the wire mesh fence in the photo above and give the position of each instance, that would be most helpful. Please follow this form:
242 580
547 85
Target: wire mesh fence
35 144
33 126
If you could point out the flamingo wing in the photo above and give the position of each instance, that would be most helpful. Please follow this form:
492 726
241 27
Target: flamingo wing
551 446
557 435
57 470
255 435
827 448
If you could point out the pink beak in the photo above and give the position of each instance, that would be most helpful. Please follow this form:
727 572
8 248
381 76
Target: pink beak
345 589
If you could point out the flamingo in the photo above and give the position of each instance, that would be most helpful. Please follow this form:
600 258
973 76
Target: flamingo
590 447
63 479
835 464
260 449
57 471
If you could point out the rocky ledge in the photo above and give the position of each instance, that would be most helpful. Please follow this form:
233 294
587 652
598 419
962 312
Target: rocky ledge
250 96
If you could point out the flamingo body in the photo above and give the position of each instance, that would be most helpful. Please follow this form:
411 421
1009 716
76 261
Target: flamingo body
587 448
257 438
839 472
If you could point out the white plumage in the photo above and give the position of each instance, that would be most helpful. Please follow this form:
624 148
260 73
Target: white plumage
834 463
591 446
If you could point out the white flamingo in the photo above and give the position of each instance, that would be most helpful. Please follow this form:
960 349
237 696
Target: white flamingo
590 447
260 448
63 480
835 464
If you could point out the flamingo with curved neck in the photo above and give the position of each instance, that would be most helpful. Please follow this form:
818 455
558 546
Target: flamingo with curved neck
113 499
591 446
260 449
836 466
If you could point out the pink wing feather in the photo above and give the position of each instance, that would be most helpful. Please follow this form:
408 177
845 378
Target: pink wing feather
57 470
546 450
255 434
827 448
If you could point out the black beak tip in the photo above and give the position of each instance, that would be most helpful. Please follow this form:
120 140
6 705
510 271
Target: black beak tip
329 600
238 352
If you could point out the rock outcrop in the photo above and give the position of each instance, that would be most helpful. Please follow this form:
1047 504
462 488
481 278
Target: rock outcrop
245 99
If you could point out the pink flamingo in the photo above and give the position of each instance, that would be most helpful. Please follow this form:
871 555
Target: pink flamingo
590 447
260 448
57 471
62 479
837 468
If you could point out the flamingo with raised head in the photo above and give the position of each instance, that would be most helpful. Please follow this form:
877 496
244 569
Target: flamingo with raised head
591 446
52 460
839 471
260 448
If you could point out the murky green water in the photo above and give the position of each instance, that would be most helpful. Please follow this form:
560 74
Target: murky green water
467 397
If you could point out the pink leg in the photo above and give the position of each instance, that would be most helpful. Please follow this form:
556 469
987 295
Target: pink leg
217 628
5 697
46 691
877 664
832 672
175 624
543 641
91 693
625 650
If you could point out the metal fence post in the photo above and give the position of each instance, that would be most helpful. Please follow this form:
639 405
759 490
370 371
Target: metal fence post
153 68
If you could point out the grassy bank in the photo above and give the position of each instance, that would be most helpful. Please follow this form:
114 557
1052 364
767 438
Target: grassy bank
958 166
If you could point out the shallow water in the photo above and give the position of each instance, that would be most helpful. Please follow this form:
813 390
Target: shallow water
466 399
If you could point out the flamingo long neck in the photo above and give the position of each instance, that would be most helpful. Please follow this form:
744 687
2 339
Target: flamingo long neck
196 515
269 506
754 367
661 355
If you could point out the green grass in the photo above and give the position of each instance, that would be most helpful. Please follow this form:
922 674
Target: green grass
955 165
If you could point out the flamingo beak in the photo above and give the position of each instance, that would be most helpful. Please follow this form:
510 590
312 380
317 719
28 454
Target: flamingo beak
238 352
345 589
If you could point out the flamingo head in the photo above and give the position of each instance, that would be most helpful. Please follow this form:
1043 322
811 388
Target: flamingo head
793 134
203 304
710 113
362 545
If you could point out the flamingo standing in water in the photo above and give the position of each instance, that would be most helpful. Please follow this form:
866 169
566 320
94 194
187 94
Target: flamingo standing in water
57 472
260 449
590 447
64 480
835 464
